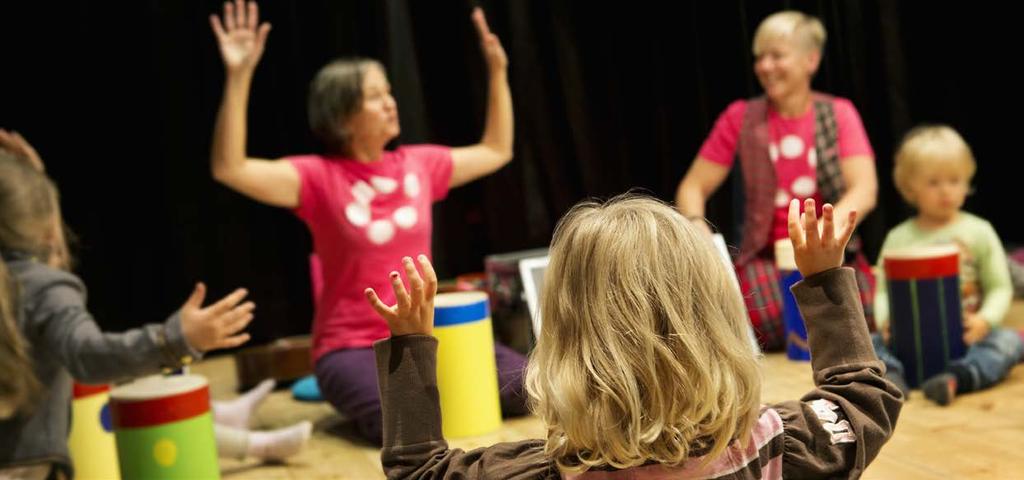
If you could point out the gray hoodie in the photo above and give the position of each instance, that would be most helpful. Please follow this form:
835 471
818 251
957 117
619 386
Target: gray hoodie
66 343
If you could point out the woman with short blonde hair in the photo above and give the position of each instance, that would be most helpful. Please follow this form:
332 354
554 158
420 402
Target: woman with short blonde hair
791 142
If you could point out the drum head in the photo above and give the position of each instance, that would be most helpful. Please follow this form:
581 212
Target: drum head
157 386
458 299
923 253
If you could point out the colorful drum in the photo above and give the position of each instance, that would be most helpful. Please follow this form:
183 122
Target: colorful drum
467 376
164 429
796 331
926 318
93 451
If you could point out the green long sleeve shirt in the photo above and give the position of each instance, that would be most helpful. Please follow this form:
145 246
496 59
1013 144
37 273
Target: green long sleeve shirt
985 284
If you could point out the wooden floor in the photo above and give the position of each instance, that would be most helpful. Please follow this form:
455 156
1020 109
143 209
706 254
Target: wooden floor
980 436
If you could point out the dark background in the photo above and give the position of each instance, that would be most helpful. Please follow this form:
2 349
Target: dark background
120 101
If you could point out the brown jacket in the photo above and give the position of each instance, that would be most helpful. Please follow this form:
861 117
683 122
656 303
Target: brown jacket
834 431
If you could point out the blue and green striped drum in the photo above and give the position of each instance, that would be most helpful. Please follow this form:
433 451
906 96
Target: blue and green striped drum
926 318
467 376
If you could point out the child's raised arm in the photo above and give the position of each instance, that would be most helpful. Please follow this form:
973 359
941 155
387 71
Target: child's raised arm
838 428
414 446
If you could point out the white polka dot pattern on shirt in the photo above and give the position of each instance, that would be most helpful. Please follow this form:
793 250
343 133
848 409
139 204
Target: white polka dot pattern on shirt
792 146
773 152
357 214
405 217
360 214
381 231
412 185
803 187
812 158
363 192
781 198
384 185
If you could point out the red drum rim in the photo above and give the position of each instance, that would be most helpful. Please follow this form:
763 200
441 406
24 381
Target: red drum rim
925 262
159 400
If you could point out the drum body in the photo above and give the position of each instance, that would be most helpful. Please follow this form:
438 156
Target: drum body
796 331
926 317
164 429
467 376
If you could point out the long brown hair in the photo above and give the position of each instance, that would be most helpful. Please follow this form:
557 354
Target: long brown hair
30 223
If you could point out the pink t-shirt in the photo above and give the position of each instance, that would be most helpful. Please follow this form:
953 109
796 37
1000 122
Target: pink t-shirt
791 150
364 218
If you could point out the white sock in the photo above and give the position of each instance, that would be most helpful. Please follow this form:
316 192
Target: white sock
235 413
231 442
281 443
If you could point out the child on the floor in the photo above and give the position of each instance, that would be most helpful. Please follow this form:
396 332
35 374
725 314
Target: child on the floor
933 170
48 336
643 368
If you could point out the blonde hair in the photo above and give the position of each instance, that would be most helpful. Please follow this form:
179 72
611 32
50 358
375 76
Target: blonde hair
643 354
930 146
805 31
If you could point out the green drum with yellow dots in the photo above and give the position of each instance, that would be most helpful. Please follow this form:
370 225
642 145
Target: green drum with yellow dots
164 429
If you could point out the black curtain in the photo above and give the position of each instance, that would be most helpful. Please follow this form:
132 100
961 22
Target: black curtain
120 101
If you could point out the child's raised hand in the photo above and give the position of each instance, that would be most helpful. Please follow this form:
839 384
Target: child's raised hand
817 247
414 312
216 326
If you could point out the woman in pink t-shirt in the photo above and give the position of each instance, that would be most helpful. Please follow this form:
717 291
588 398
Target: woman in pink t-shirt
790 143
365 206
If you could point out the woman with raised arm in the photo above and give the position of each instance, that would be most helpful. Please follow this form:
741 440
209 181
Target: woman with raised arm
365 206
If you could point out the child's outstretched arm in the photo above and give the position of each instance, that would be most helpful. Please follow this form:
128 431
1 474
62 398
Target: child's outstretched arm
838 428
60 323
414 446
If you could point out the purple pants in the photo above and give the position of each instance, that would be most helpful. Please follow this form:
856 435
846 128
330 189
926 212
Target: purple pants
348 380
